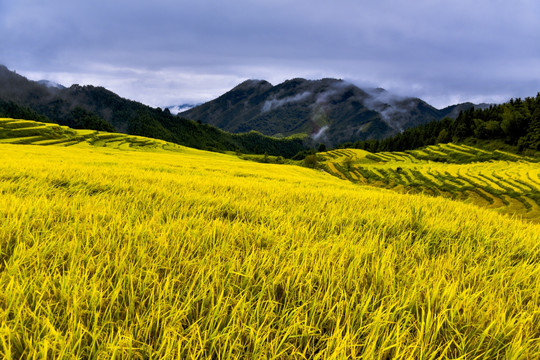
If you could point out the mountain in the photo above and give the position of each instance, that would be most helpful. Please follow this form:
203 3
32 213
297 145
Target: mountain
97 108
513 126
453 111
328 110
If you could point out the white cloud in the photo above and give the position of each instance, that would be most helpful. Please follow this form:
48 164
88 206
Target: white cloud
275 103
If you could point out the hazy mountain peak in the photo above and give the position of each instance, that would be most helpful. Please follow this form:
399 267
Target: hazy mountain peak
378 90
252 84
329 110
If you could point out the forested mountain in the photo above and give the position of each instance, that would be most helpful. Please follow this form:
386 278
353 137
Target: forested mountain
100 109
331 111
516 123
328 111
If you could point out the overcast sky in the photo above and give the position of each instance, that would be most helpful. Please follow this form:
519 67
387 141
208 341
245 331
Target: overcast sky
165 52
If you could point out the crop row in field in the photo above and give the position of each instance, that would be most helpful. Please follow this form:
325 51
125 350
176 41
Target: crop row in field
459 172
107 253
35 133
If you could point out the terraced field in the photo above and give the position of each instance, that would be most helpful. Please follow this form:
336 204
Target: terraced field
502 181
110 252
36 133
498 180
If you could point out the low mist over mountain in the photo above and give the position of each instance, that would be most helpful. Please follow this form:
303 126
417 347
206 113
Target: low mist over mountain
328 110
177 109
51 84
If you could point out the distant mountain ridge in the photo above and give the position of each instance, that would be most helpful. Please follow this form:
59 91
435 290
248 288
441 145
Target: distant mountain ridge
330 111
90 107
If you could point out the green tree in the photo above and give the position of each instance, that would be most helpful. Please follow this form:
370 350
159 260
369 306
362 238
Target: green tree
443 137
311 161
321 148
348 162
532 139
81 119
514 124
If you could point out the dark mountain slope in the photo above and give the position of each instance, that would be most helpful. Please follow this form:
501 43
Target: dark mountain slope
514 125
329 110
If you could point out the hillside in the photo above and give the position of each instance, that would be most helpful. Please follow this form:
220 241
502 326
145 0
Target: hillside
326 111
514 125
25 132
329 110
498 180
110 252
89 107
37 133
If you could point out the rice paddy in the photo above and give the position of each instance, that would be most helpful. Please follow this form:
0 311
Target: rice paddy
115 252
29 132
505 182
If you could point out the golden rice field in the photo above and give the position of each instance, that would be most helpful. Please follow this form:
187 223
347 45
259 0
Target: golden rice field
505 182
13 131
129 254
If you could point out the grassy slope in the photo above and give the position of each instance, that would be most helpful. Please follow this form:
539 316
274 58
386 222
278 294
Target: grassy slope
498 180
28 132
107 252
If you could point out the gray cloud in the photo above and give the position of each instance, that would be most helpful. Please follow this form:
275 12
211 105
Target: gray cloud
394 109
320 135
165 52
